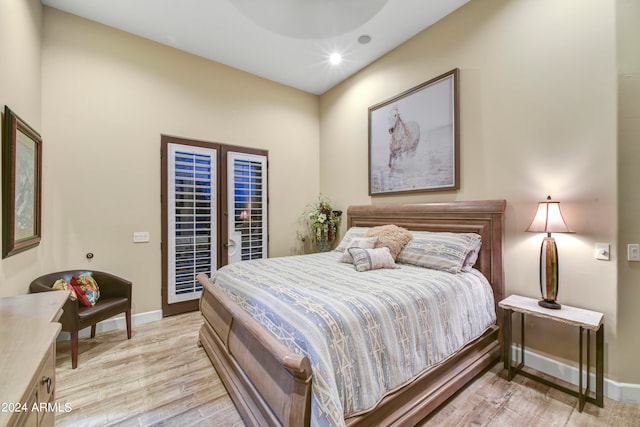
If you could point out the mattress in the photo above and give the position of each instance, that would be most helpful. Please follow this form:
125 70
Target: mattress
366 334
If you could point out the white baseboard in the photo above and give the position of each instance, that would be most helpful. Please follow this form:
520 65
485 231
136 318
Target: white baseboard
116 323
623 392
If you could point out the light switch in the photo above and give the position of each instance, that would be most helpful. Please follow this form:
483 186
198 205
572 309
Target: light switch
140 236
603 251
633 252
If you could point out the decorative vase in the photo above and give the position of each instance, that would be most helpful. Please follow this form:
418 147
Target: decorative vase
323 245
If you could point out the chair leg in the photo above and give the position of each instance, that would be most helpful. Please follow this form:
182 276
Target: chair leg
93 331
128 317
74 349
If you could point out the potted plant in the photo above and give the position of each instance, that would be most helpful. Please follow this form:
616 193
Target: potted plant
323 222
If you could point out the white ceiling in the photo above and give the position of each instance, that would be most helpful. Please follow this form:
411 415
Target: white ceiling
286 41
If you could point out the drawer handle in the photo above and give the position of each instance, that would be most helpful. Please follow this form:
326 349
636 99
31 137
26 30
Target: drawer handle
47 380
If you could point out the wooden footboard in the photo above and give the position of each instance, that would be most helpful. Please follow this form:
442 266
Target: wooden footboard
270 384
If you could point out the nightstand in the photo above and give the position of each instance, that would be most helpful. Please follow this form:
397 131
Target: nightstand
586 320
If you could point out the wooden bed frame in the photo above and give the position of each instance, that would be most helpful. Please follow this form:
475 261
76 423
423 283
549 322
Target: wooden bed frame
271 385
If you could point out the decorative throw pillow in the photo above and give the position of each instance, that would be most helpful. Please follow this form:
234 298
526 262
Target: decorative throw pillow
88 287
372 259
391 236
441 250
78 292
62 285
358 242
352 233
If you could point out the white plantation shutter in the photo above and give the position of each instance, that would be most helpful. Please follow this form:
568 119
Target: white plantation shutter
247 206
192 219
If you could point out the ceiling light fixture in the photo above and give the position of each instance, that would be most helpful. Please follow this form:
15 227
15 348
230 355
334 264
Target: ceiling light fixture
335 58
364 39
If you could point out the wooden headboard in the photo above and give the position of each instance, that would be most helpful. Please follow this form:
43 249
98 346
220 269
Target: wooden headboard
484 217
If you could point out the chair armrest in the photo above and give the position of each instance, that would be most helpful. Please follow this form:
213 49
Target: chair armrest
69 320
112 286
36 287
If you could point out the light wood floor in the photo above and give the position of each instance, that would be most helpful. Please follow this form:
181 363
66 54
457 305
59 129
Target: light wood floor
162 378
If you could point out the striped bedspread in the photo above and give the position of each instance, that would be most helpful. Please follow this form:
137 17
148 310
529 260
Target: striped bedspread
365 333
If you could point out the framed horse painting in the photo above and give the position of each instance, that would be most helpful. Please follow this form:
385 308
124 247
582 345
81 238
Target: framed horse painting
414 139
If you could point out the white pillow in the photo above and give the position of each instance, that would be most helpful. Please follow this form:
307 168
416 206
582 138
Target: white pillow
351 234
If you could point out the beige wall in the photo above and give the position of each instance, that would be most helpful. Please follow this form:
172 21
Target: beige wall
20 44
538 117
628 17
107 98
20 89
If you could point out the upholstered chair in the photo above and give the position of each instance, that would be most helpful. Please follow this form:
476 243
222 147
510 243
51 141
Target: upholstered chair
115 298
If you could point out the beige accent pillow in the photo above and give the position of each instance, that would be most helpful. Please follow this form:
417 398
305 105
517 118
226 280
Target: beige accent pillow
359 242
391 236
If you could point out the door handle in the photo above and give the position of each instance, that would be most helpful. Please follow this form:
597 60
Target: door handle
230 246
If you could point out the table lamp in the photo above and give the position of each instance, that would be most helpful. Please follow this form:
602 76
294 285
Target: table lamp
548 219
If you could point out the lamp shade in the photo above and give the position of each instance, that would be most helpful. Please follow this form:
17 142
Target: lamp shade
548 218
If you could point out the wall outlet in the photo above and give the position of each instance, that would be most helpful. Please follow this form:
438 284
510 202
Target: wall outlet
633 252
603 251
140 236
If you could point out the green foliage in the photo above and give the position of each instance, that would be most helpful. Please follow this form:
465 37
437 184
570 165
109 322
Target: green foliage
323 221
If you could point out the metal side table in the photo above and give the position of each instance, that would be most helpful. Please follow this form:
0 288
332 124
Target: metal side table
586 320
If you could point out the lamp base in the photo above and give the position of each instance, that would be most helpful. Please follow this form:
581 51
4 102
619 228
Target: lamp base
549 304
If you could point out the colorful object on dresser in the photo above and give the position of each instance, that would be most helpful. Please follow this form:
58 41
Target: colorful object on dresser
548 219
82 287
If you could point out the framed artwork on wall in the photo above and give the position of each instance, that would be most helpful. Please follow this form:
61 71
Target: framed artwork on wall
21 185
414 139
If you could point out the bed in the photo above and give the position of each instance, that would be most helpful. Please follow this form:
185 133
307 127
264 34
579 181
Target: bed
271 382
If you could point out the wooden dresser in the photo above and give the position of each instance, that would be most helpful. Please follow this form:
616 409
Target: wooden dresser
28 332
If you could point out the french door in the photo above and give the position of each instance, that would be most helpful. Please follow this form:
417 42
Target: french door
214 211
247 222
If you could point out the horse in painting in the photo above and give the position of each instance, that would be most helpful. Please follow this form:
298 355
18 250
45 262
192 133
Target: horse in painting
404 137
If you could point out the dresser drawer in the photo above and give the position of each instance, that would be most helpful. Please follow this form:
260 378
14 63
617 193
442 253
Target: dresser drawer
46 385
38 408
